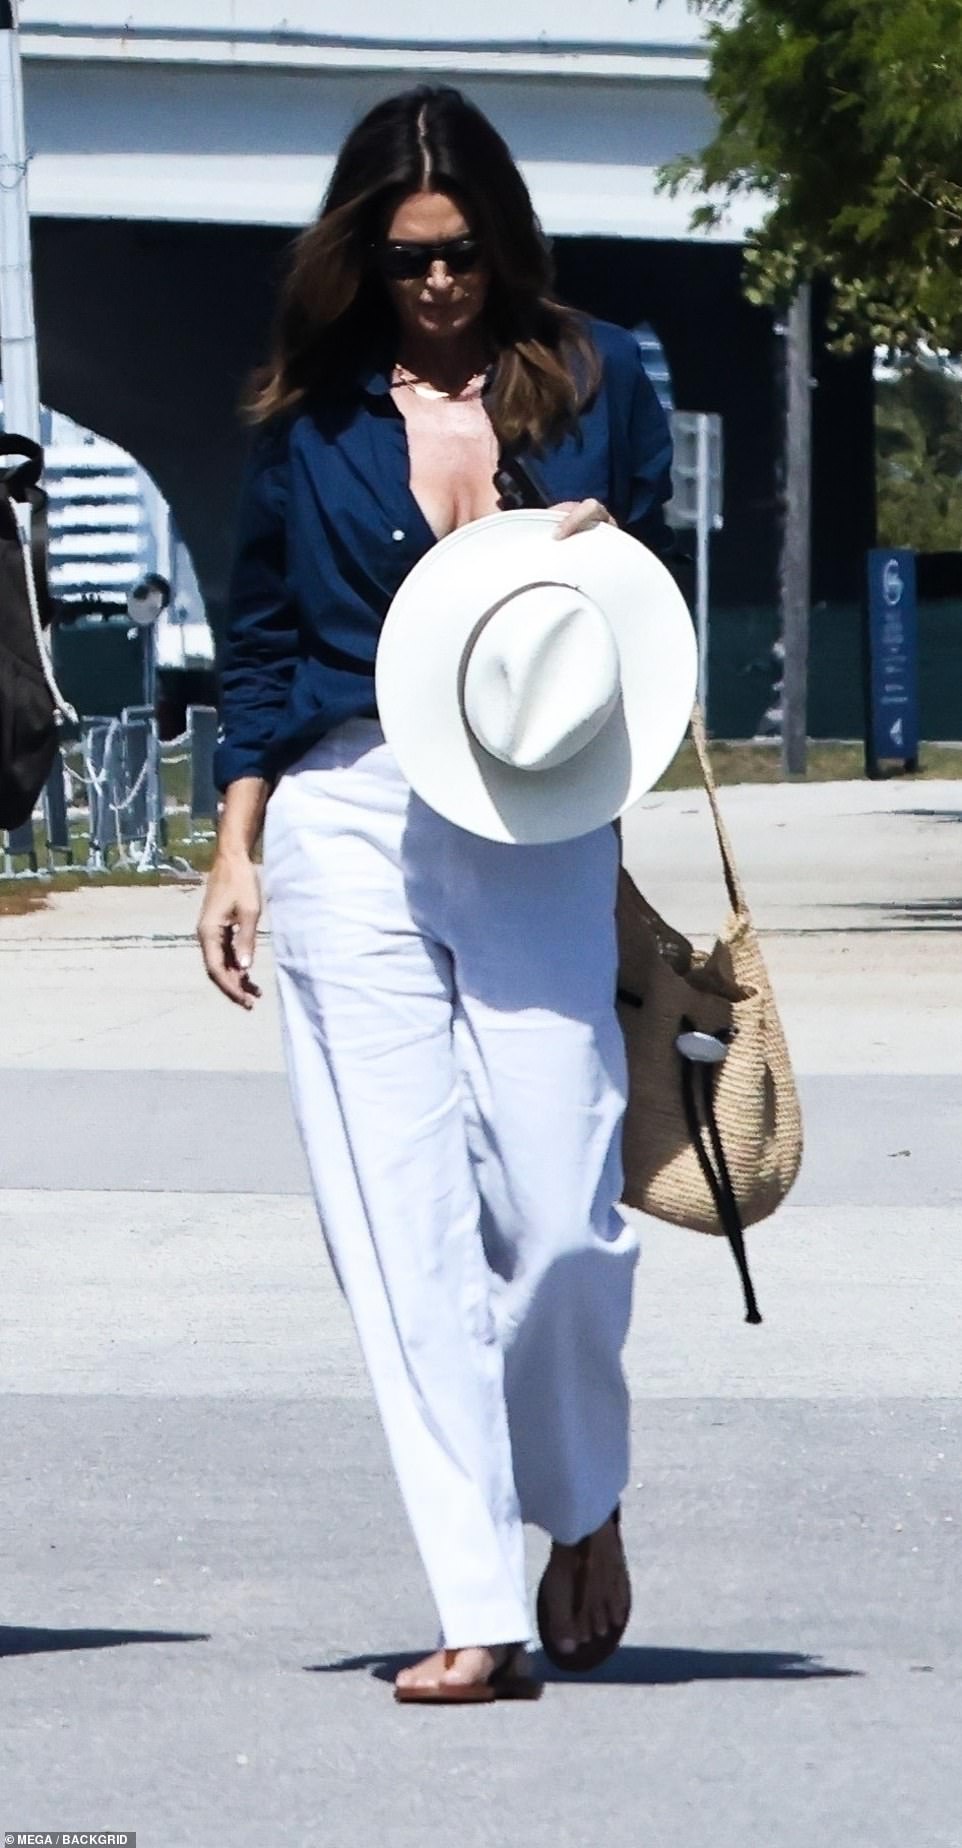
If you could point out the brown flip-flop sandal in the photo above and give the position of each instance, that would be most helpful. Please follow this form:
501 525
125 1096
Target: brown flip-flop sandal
591 1654
506 1682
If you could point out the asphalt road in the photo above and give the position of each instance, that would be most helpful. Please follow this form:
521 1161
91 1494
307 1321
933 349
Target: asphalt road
207 1576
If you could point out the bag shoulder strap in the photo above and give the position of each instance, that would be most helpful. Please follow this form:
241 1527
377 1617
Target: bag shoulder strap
26 474
32 551
21 482
736 891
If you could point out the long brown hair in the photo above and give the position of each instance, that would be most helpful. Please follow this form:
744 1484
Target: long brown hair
334 313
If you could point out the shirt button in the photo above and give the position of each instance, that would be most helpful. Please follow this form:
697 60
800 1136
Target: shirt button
397 533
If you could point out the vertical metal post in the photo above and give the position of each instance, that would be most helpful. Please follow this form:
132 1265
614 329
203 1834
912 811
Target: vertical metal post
98 737
22 842
18 341
160 556
702 533
55 813
148 642
151 856
202 731
796 532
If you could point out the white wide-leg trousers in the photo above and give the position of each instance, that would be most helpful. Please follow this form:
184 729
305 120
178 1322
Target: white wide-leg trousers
458 1079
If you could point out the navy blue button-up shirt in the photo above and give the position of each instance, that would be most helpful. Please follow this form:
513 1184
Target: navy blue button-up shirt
329 528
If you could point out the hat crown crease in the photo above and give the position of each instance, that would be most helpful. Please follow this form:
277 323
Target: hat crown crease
542 678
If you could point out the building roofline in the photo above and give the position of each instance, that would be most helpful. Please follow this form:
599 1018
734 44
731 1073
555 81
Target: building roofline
318 51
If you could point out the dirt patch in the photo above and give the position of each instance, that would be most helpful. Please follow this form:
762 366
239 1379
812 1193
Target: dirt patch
19 897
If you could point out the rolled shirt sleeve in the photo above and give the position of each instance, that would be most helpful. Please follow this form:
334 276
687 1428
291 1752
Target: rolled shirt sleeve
261 645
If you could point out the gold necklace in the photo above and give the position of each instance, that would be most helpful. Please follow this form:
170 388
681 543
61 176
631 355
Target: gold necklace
422 387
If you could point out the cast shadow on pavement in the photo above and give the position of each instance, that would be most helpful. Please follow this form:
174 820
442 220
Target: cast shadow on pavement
634 1666
931 814
29 1641
920 913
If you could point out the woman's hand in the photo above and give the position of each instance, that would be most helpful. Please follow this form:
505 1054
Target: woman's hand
228 926
580 517
232 902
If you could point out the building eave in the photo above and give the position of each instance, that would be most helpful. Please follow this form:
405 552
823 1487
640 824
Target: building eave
590 64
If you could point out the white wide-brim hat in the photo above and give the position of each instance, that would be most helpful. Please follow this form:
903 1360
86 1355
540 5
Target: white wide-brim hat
532 688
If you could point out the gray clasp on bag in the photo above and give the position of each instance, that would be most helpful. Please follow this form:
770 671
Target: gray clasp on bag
702 1048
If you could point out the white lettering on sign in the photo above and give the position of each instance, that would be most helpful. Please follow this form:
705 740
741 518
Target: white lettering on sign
893 582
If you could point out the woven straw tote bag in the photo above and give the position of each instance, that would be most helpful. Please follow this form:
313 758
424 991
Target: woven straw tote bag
713 1131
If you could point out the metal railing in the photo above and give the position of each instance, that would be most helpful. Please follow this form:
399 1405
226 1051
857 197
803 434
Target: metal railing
108 801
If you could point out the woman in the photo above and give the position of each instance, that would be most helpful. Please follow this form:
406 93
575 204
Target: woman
448 1003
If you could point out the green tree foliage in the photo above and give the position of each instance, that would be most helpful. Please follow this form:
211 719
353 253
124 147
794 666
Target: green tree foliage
919 456
847 116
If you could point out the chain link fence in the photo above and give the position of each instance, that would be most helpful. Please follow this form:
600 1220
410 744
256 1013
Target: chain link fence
120 798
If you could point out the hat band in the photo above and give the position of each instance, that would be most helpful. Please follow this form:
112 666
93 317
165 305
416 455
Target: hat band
488 616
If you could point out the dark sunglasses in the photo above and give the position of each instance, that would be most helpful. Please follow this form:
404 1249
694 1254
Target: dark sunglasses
403 262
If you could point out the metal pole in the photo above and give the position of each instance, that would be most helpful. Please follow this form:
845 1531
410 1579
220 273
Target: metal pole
18 341
148 637
702 530
796 539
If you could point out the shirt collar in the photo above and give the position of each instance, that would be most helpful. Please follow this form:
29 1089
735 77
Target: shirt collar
374 376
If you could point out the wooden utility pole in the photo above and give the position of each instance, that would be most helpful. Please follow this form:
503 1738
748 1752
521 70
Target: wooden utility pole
796 564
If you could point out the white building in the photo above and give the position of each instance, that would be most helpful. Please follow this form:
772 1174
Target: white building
231 111
176 144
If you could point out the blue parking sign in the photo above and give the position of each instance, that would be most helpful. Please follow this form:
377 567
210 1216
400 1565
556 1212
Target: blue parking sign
893 657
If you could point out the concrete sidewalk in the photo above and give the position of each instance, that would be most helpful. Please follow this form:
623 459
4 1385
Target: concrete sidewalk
856 888
208 1578
813 857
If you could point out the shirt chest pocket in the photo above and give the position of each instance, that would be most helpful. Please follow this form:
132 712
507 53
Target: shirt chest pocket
372 524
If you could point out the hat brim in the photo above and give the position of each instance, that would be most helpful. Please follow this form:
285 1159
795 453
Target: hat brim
419 663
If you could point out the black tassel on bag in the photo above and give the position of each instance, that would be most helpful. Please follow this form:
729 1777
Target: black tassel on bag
700 1055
